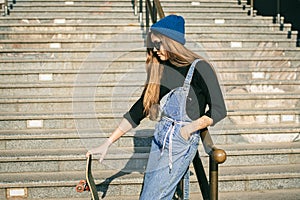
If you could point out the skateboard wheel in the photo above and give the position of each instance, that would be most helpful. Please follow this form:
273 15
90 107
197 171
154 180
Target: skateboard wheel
79 188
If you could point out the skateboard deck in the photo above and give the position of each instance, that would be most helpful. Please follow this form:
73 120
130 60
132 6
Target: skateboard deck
89 183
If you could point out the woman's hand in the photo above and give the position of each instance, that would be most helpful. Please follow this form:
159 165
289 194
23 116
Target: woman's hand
101 150
185 132
123 127
196 125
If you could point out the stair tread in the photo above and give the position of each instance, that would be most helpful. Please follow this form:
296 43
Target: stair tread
121 49
278 194
72 133
40 179
142 152
107 113
139 83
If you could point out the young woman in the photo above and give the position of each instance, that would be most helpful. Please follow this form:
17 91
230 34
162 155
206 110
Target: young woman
183 94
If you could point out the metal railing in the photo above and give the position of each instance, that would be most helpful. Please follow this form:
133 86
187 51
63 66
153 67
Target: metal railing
278 18
209 188
4 7
217 156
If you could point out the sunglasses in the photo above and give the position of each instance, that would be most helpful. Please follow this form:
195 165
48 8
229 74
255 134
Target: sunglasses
157 45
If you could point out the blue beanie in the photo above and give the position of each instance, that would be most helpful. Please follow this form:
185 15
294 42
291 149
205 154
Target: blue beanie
171 26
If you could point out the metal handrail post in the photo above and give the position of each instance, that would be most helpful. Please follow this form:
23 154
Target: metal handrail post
160 10
135 7
4 6
147 14
141 11
252 8
213 179
278 12
154 12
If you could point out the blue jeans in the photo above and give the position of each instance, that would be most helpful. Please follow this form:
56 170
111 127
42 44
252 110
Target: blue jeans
160 181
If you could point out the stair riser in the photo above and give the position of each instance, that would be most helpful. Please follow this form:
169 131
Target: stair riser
106 26
243 138
104 123
265 119
122 6
61 90
61 14
199 4
205 52
139 164
211 13
76 5
192 38
254 138
68 21
132 165
140 53
115 104
119 191
141 77
134 19
112 43
118 8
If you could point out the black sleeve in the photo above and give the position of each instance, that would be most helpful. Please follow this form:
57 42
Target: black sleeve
136 113
217 109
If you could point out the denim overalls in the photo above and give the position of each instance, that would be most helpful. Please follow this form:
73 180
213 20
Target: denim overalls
170 154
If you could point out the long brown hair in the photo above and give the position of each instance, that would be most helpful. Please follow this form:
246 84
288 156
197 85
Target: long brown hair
177 54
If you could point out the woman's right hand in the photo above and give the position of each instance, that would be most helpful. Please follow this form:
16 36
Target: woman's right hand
101 150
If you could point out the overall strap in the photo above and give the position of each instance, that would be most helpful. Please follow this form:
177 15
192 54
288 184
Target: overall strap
189 76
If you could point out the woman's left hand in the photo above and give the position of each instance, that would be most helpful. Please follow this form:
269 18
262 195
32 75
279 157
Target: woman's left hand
196 125
184 131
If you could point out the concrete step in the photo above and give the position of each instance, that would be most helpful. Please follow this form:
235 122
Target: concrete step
192 35
28 23
264 61
115 183
116 52
258 20
134 159
99 118
163 3
73 4
133 43
112 74
134 88
68 19
68 137
79 12
278 194
213 12
64 103
199 4
109 10
31 5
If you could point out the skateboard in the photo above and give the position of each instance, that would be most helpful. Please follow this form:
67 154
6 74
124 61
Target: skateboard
89 183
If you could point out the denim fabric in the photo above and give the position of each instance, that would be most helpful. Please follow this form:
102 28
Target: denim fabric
170 154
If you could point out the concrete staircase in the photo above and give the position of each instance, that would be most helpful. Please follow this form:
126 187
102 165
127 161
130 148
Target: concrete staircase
70 69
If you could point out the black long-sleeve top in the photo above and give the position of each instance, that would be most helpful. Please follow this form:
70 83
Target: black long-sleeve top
205 96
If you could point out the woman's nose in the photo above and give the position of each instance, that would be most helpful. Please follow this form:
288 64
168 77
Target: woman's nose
154 49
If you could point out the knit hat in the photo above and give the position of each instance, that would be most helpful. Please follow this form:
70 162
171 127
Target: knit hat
171 26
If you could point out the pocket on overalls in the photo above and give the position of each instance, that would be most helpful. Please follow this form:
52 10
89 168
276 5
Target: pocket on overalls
160 131
183 146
